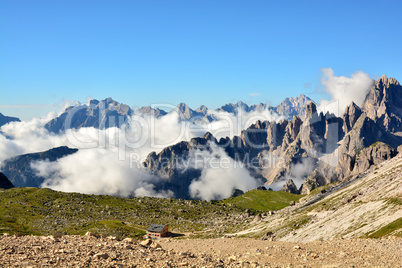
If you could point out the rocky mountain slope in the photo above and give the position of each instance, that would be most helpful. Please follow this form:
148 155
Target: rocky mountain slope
368 205
19 171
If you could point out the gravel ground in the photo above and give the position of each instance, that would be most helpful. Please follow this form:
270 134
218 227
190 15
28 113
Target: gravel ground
92 251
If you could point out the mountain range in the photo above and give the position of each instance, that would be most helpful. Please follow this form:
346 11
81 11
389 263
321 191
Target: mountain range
109 113
334 147
316 148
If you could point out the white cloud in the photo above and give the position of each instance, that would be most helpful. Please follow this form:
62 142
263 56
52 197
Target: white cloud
220 176
343 90
98 171
298 172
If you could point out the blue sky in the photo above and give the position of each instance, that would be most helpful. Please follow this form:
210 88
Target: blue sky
197 52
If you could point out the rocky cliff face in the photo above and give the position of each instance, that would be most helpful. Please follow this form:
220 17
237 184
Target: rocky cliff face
98 114
186 113
293 106
383 103
148 110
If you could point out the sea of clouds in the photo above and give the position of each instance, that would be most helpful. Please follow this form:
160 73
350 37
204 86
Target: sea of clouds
110 160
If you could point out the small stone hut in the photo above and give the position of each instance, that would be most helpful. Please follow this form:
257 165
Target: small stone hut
158 230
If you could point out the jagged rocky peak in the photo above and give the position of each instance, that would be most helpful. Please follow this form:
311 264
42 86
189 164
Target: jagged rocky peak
291 132
233 108
275 133
110 104
290 187
148 110
93 102
383 103
300 101
184 111
311 109
293 106
259 107
202 109
105 104
350 116
259 125
384 81
209 136
99 114
242 104
182 106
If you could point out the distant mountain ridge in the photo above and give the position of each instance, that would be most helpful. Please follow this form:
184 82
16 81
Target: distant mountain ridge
19 171
99 114
110 113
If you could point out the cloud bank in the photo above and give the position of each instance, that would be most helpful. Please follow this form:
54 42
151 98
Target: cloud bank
343 90
110 160
220 176
98 171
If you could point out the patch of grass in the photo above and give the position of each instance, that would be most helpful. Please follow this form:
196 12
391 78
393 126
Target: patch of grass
375 144
299 222
261 200
119 228
388 229
290 225
41 211
395 201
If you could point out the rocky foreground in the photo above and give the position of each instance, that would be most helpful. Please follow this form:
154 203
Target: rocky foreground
94 251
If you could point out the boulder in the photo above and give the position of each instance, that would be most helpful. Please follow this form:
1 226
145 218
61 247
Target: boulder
146 242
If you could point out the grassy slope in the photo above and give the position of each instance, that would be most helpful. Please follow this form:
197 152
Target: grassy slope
43 211
260 200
